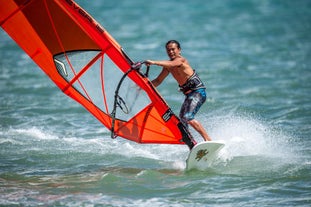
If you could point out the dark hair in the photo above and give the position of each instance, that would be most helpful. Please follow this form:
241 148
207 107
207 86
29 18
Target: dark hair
173 41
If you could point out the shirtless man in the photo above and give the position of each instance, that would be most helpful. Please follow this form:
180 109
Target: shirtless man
189 83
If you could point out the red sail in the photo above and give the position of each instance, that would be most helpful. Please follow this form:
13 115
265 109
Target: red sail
87 64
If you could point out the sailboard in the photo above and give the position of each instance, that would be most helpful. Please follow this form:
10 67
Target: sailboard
203 154
89 65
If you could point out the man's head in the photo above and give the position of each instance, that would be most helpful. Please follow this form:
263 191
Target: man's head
174 42
173 49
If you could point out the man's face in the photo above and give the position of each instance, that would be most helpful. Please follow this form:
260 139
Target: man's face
172 50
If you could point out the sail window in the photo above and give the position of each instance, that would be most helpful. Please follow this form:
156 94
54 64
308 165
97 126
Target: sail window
96 77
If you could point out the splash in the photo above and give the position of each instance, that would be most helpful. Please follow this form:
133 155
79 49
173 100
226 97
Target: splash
246 135
252 146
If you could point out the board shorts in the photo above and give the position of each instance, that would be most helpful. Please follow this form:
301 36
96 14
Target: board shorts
192 104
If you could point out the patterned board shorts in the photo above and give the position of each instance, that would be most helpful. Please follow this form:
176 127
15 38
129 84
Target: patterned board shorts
192 104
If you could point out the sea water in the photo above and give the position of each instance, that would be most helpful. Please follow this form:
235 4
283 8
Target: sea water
255 59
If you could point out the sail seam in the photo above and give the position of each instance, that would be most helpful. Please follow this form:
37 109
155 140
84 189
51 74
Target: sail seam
20 8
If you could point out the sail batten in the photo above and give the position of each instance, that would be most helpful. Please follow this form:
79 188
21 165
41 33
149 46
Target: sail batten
87 64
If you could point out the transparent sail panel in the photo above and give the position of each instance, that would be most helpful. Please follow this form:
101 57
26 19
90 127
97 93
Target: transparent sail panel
99 82
77 61
131 99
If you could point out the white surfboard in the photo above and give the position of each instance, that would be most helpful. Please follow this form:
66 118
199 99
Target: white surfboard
203 154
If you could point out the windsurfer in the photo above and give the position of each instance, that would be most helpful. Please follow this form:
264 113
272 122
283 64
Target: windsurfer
189 82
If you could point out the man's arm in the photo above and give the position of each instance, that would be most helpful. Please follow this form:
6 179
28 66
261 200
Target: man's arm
166 63
158 80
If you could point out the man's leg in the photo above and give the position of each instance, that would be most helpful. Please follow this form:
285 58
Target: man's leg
198 126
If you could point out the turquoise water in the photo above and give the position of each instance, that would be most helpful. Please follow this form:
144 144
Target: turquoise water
255 58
